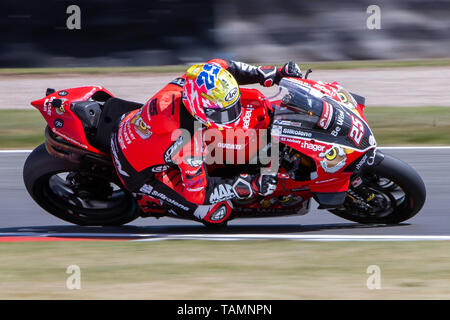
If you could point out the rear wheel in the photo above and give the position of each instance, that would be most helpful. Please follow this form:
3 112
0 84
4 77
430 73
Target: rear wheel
391 192
76 194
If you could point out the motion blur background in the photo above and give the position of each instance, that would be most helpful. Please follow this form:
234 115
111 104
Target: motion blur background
169 32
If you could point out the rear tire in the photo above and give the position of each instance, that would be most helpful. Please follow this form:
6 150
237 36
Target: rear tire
405 178
41 174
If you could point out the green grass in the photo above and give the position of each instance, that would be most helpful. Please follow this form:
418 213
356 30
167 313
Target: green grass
354 64
225 270
410 125
362 64
391 125
21 129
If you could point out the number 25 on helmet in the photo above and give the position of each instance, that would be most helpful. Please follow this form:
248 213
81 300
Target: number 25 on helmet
212 95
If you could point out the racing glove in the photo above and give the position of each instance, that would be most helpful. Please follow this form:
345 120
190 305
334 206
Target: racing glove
290 69
265 184
247 185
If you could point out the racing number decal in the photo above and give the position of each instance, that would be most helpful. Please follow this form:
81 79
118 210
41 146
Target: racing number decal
357 131
208 76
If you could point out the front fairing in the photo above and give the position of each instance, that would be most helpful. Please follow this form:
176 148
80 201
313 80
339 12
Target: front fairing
334 135
304 115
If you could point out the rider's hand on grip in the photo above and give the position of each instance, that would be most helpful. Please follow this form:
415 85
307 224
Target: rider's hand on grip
265 184
247 185
290 69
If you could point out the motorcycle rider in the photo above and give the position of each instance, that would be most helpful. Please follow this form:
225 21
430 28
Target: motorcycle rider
150 160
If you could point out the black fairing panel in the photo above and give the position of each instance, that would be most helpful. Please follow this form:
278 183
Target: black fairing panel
113 109
296 123
88 112
99 120
328 200
359 99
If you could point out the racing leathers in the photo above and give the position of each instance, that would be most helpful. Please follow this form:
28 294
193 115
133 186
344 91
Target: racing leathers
158 151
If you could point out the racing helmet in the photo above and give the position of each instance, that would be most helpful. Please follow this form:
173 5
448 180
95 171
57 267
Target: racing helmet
212 95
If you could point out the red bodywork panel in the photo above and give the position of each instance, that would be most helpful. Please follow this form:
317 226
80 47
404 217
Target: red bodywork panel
62 121
240 144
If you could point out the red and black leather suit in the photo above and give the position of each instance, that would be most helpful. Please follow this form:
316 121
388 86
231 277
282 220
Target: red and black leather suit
148 158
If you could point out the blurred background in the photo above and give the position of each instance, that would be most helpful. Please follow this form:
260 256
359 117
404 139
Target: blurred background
171 32
379 49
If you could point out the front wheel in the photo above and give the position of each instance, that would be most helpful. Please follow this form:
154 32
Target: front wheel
75 194
391 192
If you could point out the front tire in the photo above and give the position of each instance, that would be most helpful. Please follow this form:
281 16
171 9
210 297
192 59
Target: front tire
399 183
91 201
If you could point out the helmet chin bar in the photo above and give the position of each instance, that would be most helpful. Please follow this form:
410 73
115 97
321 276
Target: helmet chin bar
224 116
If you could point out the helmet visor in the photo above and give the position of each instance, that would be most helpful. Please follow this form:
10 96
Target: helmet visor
225 115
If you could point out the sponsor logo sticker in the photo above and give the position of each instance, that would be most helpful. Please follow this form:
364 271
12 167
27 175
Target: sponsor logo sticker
357 182
194 162
160 168
311 146
231 95
295 132
58 123
247 118
117 161
221 193
219 214
141 128
327 115
229 146
361 163
334 160
172 149
148 189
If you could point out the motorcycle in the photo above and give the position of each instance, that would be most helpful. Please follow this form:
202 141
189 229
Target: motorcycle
327 152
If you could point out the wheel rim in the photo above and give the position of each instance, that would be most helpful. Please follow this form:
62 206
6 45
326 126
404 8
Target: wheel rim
390 195
89 202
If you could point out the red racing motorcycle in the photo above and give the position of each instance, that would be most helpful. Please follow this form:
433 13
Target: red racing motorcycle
327 152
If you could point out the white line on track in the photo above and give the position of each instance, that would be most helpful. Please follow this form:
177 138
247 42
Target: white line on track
231 237
298 237
15 151
382 148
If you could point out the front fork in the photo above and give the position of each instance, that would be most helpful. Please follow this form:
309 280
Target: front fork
358 191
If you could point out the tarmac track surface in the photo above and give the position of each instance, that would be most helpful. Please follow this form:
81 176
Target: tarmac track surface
20 216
